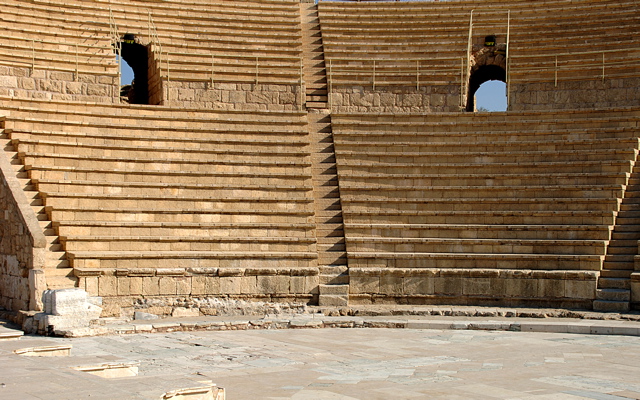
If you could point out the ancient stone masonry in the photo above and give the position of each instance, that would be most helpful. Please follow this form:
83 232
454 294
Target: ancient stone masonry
290 154
22 246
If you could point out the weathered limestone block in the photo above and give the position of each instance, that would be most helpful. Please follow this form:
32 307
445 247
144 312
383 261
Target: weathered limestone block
9 81
69 308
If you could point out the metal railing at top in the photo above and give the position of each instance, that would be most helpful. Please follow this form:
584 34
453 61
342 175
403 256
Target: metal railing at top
575 66
401 71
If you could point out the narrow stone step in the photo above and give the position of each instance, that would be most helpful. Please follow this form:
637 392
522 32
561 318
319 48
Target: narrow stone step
614 283
333 295
613 295
610 306
616 273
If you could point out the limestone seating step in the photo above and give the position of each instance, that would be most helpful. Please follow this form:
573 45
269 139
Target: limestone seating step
275 20
475 260
159 164
185 259
478 130
145 129
107 117
161 139
480 205
26 146
620 249
212 229
613 294
278 178
439 122
167 190
616 273
490 246
481 231
489 157
614 283
610 306
205 204
167 217
559 203
482 217
185 244
533 179
39 165
566 143
576 166
461 192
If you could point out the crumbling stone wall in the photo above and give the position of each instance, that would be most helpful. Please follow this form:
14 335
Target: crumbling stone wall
42 84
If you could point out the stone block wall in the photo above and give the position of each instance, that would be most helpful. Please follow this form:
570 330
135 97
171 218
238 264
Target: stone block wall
396 99
570 289
234 96
123 289
540 96
42 84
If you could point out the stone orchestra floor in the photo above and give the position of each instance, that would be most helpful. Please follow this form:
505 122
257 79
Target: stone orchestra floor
417 362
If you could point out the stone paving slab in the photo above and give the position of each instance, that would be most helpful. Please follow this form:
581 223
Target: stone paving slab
374 363
434 357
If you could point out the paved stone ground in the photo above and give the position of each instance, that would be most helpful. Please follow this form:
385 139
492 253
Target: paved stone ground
357 363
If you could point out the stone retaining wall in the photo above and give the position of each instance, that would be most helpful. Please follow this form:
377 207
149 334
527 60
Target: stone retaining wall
41 84
396 99
575 94
234 96
569 289
121 289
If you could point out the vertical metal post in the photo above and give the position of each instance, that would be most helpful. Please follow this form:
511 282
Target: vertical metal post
257 68
168 79
556 80
77 72
212 69
507 77
462 82
374 74
330 81
302 94
467 75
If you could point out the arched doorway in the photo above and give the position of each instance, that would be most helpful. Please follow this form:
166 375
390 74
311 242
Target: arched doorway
480 75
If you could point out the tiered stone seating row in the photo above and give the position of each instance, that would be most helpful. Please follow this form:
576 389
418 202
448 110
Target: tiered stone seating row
436 33
49 39
239 42
516 192
130 188
248 41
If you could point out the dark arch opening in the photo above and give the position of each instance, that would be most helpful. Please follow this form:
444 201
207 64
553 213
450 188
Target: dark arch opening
137 56
481 75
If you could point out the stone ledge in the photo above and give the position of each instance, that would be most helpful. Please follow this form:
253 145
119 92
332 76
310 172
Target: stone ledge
519 320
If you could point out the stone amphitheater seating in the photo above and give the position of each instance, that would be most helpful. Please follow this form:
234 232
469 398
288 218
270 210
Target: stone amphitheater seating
128 189
520 193
266 173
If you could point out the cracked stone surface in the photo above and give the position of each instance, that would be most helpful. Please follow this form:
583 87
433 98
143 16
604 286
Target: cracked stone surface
335 364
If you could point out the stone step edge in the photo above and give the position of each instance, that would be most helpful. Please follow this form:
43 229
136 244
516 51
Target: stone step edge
319 321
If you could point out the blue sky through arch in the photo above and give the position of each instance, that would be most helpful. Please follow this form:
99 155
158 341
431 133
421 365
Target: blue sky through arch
492 96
